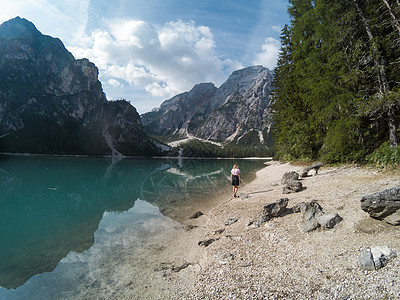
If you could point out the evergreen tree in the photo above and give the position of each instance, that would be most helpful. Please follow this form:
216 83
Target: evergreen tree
337 79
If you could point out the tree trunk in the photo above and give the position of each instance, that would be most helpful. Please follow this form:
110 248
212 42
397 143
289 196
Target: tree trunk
395 22
381 74
392 128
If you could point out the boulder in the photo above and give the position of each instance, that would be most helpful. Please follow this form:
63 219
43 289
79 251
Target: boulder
366 260
314 217
375 258
315 166
289 176
271 210
329 220
292 186
297 207
384 205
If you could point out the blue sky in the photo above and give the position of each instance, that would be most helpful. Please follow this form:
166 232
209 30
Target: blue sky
150 50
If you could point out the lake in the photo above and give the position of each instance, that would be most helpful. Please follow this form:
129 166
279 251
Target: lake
65 220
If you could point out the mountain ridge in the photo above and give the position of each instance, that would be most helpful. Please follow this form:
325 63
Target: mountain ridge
52 103
239 107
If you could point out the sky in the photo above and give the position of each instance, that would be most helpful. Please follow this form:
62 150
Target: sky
148 51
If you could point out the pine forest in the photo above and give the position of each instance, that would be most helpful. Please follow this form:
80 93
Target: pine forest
336 87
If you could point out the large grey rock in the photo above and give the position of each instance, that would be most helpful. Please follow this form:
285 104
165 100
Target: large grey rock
315 166
271 210
314 217
366 260
297 207
329 220
292 186
384 205
375 258
311 211
289 176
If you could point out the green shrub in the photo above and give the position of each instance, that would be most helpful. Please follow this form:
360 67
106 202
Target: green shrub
385 155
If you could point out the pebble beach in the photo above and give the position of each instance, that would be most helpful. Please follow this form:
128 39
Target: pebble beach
276 260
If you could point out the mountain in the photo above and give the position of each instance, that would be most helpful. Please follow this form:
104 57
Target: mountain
51 103
238 109
175 115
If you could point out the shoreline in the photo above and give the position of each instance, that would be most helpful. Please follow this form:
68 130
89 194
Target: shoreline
274 261
120 157
278 260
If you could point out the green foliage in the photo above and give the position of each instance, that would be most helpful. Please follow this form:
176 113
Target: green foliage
196 148
341 144
385 155
336 88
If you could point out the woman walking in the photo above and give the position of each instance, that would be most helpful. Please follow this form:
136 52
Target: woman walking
235 179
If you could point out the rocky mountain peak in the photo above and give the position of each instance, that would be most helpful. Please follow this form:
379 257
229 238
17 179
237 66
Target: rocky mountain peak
52 103
200 90
241 81
238 107
18 28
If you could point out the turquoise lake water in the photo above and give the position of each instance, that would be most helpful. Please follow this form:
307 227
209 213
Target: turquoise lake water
57 214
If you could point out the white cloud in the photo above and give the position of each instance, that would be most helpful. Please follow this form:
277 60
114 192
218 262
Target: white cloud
269 55
164 60
277 29
114 83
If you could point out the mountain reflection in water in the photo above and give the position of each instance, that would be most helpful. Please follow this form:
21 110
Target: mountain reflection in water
50 206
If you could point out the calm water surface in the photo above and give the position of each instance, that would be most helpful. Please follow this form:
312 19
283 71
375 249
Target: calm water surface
59 214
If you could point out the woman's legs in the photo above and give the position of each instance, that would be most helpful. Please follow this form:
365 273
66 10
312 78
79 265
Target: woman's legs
235 188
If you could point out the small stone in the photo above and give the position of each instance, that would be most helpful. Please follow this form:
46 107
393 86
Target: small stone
224 256
218 231
196 215
230 221
207 242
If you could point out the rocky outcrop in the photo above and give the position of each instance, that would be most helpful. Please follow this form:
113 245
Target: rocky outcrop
384 205
177 115
53 104
239 109
241 105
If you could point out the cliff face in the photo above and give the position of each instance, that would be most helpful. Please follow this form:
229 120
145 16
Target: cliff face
51 103
176 114
239 107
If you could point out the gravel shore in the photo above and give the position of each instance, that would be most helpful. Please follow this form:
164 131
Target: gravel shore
278 260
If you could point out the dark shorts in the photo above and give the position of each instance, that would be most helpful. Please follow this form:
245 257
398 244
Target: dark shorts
235 180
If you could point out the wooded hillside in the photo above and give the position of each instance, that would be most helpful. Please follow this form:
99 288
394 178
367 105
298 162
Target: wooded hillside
337 90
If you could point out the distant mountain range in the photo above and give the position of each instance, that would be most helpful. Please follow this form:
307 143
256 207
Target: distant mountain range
238 109
51 103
